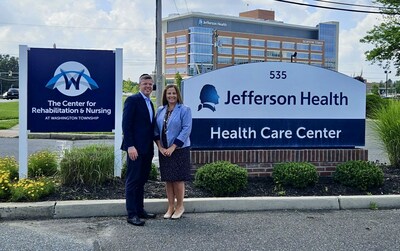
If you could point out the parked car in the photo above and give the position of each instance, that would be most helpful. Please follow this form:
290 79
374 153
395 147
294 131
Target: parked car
12 93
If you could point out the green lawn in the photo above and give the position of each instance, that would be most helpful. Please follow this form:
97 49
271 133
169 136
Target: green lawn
8 114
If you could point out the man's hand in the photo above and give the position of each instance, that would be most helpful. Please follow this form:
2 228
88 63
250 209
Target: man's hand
132 153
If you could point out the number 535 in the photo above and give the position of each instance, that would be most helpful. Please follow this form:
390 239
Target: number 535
277 74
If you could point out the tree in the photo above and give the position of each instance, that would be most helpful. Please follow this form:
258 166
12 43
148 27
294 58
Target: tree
178 80
8 63
375 90
8 68
130 87
385 37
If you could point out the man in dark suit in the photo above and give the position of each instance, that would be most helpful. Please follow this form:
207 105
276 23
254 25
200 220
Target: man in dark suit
138 130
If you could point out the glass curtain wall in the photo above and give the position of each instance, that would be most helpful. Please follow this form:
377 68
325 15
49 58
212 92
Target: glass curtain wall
328 33
200 50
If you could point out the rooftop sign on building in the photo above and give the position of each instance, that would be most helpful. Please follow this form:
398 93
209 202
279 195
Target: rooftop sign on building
275 105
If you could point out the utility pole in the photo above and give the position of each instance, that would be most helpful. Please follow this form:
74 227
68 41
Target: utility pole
159 77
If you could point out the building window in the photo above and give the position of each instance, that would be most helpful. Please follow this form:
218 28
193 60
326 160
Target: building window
224 40
182 70
316 63
225 50
274 54
170 71
241 41
200 59
241 51
302 55
257 43
241 60
181 49
257 60
316 56
170 40
316 47
273 44
200 48
181 39
257 53
224 60
200 30
170 51
303 47
288 45
181 60
170 60
201 35
287 54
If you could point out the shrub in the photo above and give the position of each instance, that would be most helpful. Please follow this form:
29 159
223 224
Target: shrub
387 127
42 163
296 174
153 172
360 174
91 165
4 184
31 190
221 178
9 164
373 103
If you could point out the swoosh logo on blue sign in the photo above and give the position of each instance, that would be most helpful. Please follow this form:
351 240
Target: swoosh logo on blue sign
72 81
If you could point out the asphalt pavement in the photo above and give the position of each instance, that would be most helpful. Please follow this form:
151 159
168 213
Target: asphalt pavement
333 230
105 208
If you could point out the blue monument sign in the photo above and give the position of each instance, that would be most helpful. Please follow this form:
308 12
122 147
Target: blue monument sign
70 90
275 105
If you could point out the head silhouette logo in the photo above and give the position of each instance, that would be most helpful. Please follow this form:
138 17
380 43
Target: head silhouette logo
72 79
208 97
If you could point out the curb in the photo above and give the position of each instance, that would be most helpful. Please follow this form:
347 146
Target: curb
112 208
69 136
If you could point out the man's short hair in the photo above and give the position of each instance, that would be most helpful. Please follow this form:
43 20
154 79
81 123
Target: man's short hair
144 76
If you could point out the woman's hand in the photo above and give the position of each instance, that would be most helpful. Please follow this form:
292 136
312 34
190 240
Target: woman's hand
168 152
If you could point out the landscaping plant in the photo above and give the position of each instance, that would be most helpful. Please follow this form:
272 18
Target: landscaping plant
9 164
32 190
91 165
42 163
360 174
387 127
296 174
221 178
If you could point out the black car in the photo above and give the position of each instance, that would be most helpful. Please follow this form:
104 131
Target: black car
12 93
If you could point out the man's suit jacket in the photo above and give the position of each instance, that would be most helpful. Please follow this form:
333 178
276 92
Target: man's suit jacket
136 125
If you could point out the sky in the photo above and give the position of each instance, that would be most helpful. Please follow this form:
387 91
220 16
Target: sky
130 25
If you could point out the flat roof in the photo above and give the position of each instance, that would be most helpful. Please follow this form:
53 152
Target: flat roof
173 17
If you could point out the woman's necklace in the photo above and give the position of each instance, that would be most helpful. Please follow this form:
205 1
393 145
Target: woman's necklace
166 118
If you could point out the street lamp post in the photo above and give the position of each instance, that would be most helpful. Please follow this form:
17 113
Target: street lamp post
386 82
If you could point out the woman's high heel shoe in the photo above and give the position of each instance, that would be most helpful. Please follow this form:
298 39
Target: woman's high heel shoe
168 215
177 215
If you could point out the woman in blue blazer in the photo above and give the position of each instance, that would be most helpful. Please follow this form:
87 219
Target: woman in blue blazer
172 131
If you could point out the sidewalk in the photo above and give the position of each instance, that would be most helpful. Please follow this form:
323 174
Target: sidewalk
97 208
10 133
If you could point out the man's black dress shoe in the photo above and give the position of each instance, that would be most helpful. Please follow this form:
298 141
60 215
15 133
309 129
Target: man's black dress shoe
146 215
135 220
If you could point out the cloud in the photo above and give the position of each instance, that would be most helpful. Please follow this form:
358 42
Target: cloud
110 24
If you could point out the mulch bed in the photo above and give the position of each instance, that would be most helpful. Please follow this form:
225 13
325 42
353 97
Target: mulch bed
256 187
